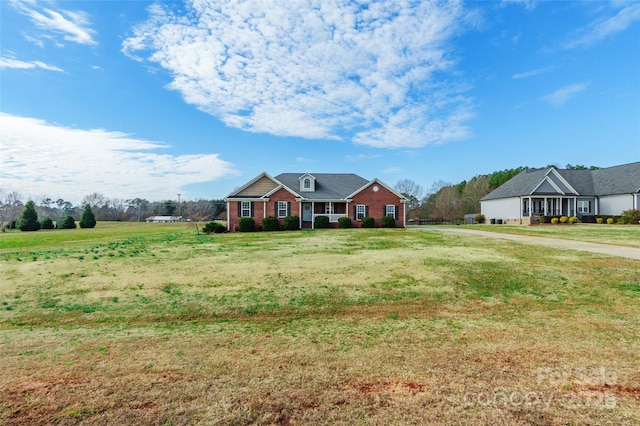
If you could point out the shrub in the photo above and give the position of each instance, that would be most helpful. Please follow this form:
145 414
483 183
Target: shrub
555 220
631 216
599 220
609 220
367 222
213 227
573 219
270 223
66 222
344 222
291 223
246 224
321 222
47 223
564 219
88 220
480 218
387 222
544 219
29 218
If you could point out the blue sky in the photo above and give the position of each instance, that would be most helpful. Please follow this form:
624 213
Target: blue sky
151 99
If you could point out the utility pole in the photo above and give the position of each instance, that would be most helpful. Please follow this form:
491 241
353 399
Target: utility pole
179 204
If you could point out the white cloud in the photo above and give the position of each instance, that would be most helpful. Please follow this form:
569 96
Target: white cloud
16 64
314 69
74 26
603 28
528 4
533 73
39 158
361 157
303 160
391 170
561 96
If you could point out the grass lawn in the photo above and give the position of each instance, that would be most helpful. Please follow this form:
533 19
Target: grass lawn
623 235
153 324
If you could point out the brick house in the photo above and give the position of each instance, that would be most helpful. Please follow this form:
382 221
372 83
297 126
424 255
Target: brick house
308 195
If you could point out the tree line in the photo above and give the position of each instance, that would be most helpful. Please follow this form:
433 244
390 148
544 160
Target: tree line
107 209
447 201
443 201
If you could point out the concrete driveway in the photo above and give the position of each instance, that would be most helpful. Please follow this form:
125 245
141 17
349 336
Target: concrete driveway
608 249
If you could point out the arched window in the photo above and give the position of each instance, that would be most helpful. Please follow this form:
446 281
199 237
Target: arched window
307 183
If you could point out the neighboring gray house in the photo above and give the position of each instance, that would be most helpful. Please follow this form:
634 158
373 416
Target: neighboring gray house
559 192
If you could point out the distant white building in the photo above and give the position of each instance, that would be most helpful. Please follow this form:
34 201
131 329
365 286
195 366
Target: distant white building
164 219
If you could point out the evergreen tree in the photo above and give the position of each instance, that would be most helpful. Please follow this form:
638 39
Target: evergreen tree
29 218
47 223
88 220
66 222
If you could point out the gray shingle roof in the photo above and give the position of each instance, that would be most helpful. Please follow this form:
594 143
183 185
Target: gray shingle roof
329 186
623 179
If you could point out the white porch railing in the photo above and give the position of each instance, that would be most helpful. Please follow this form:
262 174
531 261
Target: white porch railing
332 217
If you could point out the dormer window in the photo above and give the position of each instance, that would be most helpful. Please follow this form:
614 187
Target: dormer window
307 183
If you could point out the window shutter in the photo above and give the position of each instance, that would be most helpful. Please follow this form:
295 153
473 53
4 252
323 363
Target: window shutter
275 209
288 208
396 213
384 211
355 213
252 209
239 208
589 206
366 210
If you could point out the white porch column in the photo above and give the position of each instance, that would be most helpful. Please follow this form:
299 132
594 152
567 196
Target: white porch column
530 207
575 206
300 214
313 212
545 206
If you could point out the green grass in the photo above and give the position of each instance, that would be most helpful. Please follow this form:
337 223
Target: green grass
155 324
625 235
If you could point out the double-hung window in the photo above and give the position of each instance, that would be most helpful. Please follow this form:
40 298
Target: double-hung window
360 211
328 208
390 210
282 209
583 206
245 209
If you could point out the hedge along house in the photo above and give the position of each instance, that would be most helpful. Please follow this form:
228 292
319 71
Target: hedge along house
561 192
308 196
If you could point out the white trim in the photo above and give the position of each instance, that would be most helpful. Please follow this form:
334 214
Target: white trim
379 182
242 209
251 182
277 188
551 182
567 184
278 209
386 210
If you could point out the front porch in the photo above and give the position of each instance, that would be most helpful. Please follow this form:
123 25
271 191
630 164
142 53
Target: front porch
555 206
311 210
